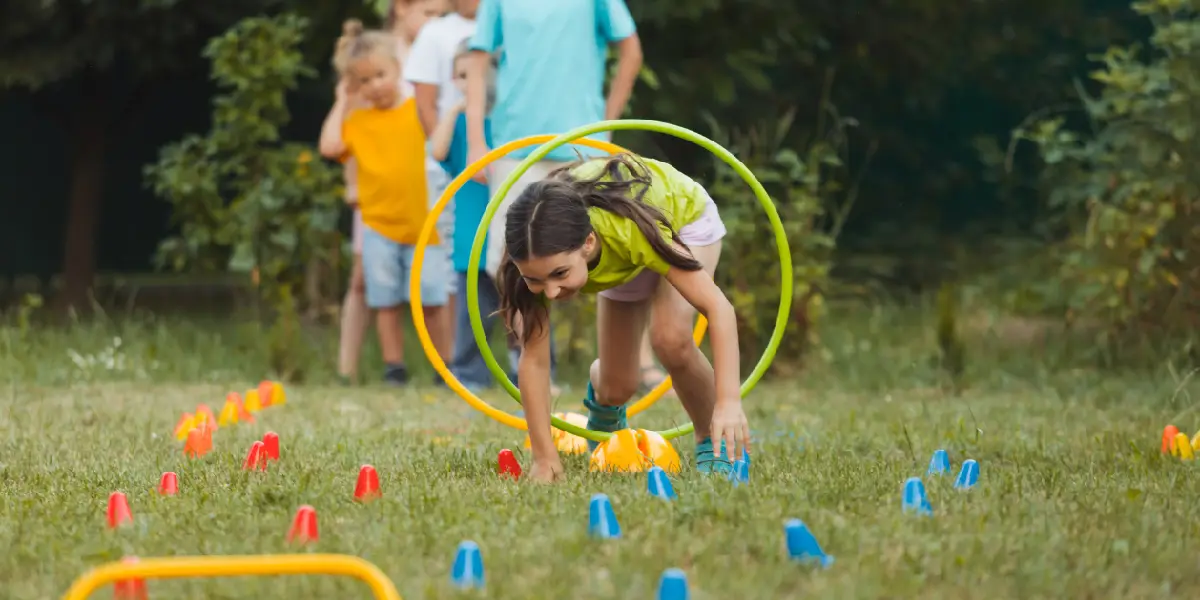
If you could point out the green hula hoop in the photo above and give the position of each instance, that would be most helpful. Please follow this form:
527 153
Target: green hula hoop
785 256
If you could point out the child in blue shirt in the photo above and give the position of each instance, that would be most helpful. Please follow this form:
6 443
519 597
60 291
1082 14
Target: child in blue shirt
448 145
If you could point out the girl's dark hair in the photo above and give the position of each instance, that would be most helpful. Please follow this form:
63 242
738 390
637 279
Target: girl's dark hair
551 216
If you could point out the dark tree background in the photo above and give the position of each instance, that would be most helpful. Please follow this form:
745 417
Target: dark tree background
92 89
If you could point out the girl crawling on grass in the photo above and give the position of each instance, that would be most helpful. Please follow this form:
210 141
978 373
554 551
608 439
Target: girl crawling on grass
647 239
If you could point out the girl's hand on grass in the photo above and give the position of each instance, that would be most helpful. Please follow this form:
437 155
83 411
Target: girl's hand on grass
547 470
729 425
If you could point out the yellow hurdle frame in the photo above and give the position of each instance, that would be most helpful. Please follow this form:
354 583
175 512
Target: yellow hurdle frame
227 566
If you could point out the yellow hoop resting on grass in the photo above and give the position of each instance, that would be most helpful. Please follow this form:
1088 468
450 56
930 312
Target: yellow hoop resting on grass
472 297
418 313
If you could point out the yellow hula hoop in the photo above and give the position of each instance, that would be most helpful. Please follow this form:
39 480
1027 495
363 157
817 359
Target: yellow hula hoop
418 314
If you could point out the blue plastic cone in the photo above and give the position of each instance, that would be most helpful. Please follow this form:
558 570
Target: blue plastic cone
602 520
673 585
940 463
802 546
740 473
659 485
968 476
468 566
915 498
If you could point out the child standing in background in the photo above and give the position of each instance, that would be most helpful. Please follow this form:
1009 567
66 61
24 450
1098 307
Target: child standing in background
448 145
405 19
387 144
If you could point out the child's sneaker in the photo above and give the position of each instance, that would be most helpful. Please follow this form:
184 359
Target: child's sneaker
603 418
395 375
708 462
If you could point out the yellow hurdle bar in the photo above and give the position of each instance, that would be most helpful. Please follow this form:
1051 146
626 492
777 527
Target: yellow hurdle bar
227 566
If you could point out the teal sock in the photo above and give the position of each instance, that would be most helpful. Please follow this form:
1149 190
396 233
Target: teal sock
603 418
708 462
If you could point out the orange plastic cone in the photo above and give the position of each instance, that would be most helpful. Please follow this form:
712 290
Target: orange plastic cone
130 589
265 393
1168 439
304 526
256 458
204 416
367 487
194 446
118 510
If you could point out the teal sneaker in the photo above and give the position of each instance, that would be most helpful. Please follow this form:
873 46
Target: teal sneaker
707 462
603 418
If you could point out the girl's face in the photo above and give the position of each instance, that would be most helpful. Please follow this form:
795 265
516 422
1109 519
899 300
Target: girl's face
377 78
559 276
411 16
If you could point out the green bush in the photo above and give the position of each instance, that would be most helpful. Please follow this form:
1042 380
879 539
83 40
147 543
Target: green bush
1124 193
244 200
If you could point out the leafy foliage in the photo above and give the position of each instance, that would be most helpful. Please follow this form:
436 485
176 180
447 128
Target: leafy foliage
245 200
1125 193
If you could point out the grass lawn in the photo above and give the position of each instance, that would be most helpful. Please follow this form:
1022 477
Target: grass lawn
1073 501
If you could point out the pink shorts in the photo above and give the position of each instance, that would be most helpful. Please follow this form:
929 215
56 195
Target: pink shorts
705 231
356 231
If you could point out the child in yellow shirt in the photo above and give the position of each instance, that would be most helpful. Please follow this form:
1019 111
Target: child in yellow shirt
388 146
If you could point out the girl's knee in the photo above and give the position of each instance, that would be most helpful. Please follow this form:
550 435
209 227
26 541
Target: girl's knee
614 389
672 345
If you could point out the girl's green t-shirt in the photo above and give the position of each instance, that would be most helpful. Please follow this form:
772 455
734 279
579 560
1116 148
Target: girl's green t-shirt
625 251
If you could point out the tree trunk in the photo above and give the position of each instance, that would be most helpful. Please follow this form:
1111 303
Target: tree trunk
83 210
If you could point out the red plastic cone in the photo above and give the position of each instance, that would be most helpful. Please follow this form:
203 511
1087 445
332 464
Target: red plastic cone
256 458
507 464
1168 439
367 488
169 484
130 589
304 526
271 442
118 510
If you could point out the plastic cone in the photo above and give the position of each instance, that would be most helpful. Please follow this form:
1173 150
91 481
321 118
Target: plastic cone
467 571
304 526
658 450
802 545
169 484
118 510
229 414
204 416
507 464
673 585
265 393
1168 440
185 424
939 463
620 453
252 403
130 589
194 446
367 487
206 433
915 498
256 458
278 397
602 520
1183 447
271 445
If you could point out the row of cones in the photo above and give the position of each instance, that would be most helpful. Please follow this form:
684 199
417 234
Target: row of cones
195 429
1176 443
628 450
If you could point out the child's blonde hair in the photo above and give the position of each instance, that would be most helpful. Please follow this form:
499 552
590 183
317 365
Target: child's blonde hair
357 42
463 49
